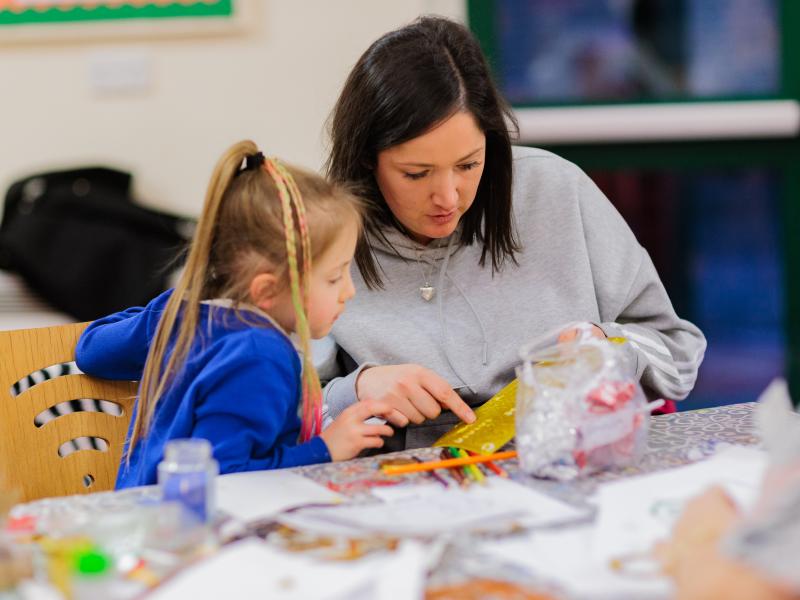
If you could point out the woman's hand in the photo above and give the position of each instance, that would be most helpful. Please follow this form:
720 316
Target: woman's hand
348 434
413 392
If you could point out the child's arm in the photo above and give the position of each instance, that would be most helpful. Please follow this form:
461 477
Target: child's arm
115 347
246 401
246 407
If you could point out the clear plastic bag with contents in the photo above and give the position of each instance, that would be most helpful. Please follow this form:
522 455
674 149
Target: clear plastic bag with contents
580 407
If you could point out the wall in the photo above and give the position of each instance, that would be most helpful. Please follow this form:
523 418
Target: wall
276 83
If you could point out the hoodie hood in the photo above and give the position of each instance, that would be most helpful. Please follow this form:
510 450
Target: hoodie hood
436 257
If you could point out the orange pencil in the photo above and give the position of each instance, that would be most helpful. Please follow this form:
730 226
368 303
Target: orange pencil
443 464
492 467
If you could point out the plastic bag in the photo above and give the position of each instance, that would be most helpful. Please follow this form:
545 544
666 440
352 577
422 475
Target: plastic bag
580 407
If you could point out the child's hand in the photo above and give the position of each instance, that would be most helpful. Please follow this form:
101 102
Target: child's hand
705 519
348 434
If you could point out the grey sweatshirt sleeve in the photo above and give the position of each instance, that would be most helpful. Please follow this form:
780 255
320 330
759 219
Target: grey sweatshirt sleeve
633 303
339 391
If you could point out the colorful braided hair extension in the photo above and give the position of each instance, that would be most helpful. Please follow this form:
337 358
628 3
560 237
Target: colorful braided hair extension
292 206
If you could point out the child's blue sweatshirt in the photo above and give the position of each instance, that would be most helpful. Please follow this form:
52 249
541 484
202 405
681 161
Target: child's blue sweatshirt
239 389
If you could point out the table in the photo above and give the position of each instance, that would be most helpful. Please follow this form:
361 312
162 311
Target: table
675 439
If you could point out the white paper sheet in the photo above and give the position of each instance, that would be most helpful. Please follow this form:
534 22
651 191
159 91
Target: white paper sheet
251 569
564 557
262 494
634 513
402 574
427 510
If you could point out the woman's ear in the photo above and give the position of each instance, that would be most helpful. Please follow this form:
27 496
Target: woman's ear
264 290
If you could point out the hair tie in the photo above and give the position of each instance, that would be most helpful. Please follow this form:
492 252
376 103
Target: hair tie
253 161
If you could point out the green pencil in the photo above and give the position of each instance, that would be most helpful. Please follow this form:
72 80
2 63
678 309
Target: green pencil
472 470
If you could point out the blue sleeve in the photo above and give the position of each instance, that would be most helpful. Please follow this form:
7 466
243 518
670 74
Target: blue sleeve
116 346
247 408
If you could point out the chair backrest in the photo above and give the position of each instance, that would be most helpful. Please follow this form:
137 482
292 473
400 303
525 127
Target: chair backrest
61 432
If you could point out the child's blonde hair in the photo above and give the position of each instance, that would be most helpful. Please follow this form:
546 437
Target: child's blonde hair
258 215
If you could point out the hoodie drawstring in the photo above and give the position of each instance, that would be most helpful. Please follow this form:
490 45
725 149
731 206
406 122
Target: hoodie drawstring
440 303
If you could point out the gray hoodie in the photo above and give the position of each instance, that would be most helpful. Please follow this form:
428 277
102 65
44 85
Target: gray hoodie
579 262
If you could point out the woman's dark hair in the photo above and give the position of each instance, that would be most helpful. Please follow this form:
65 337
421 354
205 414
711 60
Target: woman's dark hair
406 82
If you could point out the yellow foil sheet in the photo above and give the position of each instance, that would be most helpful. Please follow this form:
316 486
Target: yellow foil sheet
493 428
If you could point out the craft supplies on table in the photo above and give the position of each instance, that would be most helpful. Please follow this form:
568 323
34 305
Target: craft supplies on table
580 408
188 475
459 461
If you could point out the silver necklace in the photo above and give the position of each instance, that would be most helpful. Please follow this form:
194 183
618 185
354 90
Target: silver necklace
426 290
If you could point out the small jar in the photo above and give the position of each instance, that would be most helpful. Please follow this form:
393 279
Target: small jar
187 475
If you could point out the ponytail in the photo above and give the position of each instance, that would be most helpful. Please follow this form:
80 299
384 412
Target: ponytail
185 298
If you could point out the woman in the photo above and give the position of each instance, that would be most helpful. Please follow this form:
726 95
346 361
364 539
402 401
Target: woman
472 247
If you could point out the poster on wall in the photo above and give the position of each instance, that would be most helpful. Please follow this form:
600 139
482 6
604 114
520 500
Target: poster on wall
45 20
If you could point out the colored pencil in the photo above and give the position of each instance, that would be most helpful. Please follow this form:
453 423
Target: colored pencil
455 453
443 464
433 474
492 467
463 476
455 472
473 470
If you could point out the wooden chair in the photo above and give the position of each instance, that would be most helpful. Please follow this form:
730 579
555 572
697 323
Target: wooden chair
61 432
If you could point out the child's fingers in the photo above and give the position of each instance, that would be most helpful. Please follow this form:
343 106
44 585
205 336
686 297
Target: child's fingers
397 418
664 553
377 430
372 442
370 408
719 494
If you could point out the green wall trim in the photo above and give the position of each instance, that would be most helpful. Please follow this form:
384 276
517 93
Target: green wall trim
791 236
480 18
218 8
790 48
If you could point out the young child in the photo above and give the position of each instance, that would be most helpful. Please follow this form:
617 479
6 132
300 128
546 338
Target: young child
214 355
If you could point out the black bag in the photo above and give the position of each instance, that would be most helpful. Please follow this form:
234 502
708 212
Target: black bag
80 242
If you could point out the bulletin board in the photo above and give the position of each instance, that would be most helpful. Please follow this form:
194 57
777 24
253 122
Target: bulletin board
81 20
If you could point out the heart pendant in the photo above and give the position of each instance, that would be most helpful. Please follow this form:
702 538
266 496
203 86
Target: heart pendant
427 292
